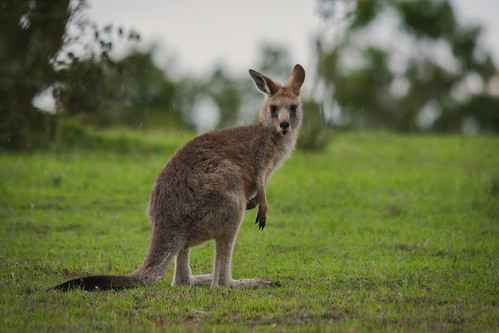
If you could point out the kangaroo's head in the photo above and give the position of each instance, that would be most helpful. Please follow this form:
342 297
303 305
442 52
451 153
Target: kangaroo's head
282 109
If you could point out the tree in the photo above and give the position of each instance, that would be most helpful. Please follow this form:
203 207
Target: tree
104 92
417 82
32 33
228 95
35 53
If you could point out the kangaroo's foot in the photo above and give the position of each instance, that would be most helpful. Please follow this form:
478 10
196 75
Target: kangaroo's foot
253 283
195 280
201 280
206 280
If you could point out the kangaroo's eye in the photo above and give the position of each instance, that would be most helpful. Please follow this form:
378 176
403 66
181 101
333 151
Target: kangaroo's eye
273 109
293 108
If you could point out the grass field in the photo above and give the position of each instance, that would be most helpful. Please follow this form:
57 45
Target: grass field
380 232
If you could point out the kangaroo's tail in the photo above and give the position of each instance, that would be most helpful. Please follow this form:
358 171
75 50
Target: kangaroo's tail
101 282
162 250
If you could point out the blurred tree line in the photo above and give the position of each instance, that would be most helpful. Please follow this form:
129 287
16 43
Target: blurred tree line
432 75
428 74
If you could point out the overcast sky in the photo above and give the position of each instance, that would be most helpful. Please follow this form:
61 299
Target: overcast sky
195 35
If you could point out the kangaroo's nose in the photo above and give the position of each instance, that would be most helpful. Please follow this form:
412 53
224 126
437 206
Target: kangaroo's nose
284 125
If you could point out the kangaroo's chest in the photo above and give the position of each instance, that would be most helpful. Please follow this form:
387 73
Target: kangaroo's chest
282 153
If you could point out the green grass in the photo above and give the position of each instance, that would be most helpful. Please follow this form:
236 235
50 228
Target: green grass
379 233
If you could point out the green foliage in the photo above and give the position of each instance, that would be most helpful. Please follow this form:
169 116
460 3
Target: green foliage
477 106
375 108
390 88
32 35
314 131
365 12
275 62
379 233
105 93
35 56
228 95
428 18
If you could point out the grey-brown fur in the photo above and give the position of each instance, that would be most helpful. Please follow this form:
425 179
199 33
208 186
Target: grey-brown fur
204 189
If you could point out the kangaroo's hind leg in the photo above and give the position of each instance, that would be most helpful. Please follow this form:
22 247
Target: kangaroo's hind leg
222 266
224 244
182 275
222 269
163 248
230 218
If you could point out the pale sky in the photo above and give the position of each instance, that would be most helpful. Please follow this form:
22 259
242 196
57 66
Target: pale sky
199 34
193 36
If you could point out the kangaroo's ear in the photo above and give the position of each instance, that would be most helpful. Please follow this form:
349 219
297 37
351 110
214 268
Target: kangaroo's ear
263 83
296 79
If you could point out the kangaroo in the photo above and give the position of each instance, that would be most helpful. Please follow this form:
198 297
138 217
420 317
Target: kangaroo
202 192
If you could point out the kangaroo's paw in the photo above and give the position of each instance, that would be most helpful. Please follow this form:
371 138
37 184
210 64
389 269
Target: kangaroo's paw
261 217
252 203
